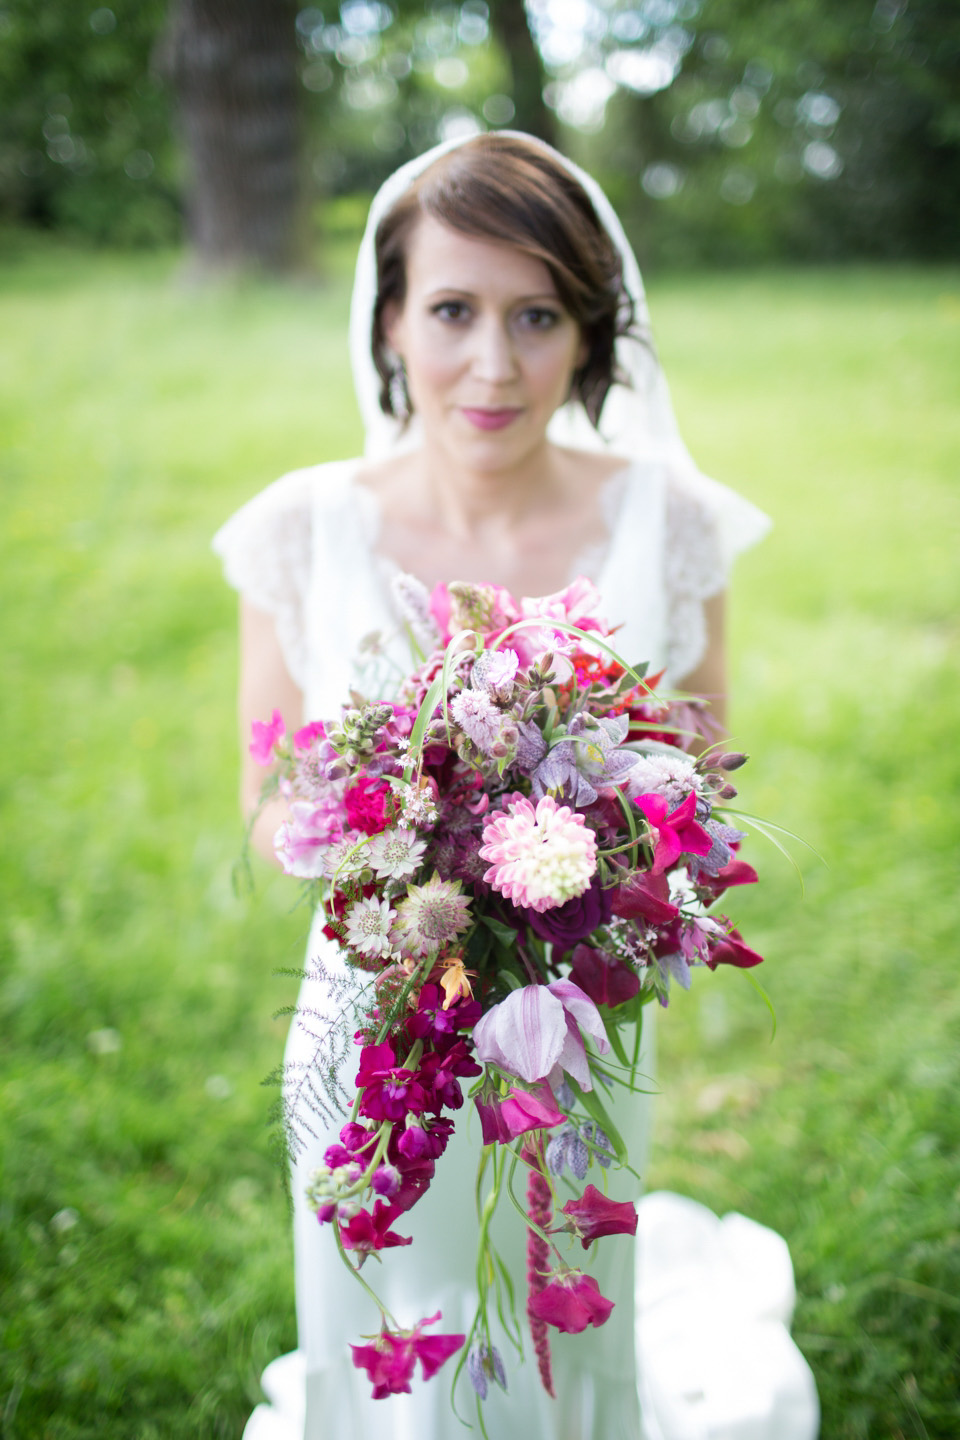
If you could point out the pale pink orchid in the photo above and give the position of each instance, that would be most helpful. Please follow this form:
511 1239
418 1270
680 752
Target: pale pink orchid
266 733
537 1033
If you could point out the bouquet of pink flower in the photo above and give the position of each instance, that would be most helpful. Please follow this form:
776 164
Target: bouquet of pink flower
518 853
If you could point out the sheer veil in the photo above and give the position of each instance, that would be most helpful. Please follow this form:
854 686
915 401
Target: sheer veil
638 421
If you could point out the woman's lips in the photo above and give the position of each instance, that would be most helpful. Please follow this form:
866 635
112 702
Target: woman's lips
490 419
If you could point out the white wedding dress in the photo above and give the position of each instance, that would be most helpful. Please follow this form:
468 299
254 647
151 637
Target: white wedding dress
306 551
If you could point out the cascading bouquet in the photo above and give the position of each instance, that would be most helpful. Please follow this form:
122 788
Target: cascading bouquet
515 854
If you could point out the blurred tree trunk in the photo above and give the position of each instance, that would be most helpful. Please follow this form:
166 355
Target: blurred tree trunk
233 68
508 20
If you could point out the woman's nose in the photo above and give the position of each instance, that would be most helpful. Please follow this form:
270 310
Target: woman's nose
494 358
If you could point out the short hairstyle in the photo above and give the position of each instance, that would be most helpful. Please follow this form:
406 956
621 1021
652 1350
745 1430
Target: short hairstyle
506 188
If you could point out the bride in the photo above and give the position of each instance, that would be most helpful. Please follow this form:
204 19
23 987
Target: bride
519 432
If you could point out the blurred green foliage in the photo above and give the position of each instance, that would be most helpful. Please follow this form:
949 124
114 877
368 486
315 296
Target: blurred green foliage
726 132
144 1254
85 137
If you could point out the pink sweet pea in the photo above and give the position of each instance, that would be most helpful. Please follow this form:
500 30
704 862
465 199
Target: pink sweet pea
523 1110
644 896
265 736
390 1360
594 1215
301 842
571 1302
537 1032
607 980
732 951
677 833
305 737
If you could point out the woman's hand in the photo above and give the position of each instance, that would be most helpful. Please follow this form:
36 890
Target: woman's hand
709 679
265 685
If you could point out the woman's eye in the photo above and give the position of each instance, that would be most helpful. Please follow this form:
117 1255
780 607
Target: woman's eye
539 319
450 310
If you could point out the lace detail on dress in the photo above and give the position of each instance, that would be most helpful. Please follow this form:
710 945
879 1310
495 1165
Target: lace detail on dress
694 570
266 549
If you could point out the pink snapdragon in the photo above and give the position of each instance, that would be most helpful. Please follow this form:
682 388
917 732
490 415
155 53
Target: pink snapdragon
266 734
541 855
537 1032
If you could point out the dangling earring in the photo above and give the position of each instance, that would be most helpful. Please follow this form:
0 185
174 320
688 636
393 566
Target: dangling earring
397 389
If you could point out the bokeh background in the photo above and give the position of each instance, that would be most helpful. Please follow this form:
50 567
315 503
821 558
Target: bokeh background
181 193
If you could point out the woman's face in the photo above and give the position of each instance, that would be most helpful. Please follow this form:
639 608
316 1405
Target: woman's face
488 348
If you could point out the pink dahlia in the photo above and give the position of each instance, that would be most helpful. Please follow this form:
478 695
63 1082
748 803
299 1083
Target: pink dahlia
541 856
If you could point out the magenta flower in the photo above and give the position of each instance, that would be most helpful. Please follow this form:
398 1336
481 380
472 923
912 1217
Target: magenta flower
540 855
571 1302
523 1110
604 978
306 735
366 805
439 1074
645 896
736 872
594 1214
266 733
389 1361
538 1031
390 1092
366 1233
675 834
732 951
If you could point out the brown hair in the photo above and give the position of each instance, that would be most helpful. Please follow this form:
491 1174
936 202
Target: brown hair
503 187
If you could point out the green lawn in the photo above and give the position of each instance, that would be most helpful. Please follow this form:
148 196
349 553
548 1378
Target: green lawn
145 1255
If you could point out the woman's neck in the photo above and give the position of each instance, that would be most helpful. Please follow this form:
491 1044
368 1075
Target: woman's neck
468 502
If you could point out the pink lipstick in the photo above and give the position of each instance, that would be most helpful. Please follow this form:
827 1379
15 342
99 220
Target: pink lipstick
490 419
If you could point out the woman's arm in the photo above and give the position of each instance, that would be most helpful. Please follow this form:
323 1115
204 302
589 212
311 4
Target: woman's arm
709 679
265 685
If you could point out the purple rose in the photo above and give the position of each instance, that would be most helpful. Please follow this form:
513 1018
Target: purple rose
566 924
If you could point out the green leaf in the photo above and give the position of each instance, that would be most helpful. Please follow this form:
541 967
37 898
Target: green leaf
506 934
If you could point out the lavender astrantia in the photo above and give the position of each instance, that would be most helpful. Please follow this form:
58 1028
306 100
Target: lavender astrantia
431 916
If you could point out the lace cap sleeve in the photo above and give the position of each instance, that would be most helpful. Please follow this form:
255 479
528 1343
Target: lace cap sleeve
707 526
266 549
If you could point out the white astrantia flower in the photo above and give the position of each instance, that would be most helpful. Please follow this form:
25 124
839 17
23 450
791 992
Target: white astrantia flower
368 924
672 776
395 854
347 859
